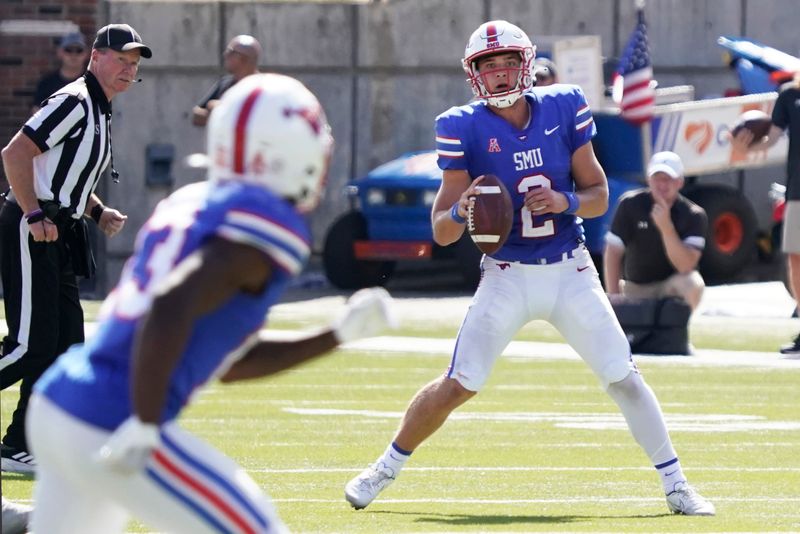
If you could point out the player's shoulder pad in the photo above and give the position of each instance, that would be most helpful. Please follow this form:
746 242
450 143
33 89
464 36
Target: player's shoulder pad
260 201
460 114
561 94
251 214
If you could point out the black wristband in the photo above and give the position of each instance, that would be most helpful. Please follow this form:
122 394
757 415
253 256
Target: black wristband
97 212
34 216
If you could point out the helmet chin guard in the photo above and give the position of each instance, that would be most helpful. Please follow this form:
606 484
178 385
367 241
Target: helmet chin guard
270 130
499 37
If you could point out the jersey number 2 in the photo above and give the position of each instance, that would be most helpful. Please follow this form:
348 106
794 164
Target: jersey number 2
529 228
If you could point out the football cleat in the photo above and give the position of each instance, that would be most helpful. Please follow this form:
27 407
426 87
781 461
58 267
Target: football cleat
363 489
792 350
15 517
16 460
685 500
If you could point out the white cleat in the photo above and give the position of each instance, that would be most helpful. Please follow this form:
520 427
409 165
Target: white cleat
15 517
685 500
363 489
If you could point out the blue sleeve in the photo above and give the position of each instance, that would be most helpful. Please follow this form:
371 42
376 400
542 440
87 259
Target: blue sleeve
449 142
269 224
585 128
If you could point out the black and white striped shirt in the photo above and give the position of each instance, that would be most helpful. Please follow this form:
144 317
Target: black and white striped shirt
72 131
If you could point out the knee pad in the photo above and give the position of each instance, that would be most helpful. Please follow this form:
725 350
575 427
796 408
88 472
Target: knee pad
630 387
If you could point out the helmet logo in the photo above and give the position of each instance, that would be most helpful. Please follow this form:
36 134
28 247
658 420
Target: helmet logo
240 137
311 116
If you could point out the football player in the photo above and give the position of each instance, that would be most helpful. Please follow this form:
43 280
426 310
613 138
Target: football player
539 143
208 265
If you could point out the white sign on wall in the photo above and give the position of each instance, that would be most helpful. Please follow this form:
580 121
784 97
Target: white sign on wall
579 62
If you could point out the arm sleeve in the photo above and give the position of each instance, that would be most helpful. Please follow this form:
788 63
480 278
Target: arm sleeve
585 128
695 235
58 119
449 144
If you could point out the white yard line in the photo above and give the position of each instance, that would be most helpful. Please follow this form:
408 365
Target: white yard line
323 470
562 351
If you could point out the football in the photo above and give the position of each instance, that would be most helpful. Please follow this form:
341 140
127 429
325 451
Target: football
754 120
490 215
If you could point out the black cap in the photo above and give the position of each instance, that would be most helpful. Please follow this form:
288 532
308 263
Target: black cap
120 37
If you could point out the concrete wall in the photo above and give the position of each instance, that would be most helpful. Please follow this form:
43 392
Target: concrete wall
383 71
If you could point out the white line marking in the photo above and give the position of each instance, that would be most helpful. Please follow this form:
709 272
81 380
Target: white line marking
570 500
526 469
590 421
535 350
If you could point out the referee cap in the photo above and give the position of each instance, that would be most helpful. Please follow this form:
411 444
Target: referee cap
120 37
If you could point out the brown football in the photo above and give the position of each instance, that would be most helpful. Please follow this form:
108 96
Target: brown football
490 215
754 120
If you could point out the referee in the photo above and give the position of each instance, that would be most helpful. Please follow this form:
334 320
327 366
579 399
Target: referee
53 165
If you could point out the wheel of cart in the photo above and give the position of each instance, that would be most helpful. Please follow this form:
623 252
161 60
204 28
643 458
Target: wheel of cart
732 230
343 269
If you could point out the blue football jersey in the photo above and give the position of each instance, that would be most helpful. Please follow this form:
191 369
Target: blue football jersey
87 380
474 139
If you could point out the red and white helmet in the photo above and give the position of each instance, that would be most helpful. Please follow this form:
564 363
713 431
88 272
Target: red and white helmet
270 130
498 37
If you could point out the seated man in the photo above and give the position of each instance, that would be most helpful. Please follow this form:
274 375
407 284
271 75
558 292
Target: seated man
656 238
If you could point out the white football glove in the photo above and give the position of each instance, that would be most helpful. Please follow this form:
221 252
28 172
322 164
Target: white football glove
368 312
129 447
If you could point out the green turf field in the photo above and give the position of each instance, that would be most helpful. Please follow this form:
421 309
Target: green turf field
541 449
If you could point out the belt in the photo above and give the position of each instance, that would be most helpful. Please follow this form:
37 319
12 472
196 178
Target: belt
555 258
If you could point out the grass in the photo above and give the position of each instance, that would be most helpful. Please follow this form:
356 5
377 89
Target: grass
542 448
486 472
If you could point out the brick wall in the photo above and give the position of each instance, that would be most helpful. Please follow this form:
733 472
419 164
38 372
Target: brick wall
25 57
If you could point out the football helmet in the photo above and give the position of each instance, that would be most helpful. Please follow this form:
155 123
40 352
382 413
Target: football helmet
497 37
270 130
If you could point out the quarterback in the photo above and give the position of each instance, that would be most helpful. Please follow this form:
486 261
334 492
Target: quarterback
538 142
208 265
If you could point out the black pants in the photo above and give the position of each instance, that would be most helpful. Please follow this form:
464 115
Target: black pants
42 306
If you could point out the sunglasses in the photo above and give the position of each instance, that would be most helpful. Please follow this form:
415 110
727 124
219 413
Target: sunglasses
74 50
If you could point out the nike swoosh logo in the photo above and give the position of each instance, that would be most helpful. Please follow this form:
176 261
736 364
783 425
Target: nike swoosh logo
581 269
670 474
551 130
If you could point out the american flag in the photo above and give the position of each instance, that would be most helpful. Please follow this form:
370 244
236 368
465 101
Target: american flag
632 88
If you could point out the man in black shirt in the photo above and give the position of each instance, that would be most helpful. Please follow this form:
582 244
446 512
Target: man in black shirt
72 54
656 238
785 116
240 59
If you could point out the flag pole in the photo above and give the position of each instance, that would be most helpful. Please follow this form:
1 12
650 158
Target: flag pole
645 128
647 144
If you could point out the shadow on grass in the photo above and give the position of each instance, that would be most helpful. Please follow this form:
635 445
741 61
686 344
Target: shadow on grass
507 519
8 475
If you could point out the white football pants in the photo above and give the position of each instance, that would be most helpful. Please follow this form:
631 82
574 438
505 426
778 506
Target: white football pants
567 294
187 486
